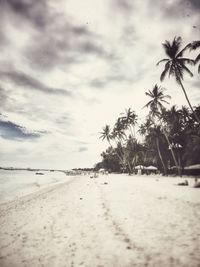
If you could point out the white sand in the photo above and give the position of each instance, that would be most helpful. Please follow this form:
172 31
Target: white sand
130 221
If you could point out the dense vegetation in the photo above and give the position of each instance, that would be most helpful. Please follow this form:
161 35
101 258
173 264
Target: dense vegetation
169 138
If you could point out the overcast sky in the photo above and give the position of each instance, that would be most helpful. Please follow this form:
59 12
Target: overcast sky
69 67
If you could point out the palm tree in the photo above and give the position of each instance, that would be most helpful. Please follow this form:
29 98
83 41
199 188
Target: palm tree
108 135
156 109
129 120
144 127
126 122
174 120
157 99
174 125
118 131
154 135
185 114
119 134
175 65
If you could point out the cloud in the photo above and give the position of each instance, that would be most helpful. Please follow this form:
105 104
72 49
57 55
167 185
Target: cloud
167 9
124 6
82 149
12 131
64 120
106 80
195 4
25 80
32 11
50 39
63 43
174 9
3 97
3 39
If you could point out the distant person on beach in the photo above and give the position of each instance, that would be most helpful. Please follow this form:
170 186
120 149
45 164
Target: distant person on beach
185 183
196 183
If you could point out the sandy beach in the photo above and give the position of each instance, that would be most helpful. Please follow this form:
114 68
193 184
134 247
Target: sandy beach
111 221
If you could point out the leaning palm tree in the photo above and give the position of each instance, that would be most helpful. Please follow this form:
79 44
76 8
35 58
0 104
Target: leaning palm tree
108 135
118 131
156 110
175 65
120 135
155 136
129 120
174 125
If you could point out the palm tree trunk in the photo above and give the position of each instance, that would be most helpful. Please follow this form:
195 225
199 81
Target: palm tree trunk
132 132
160 156
126 160
120 159
197 118
179 162
172 152
130 169
132 138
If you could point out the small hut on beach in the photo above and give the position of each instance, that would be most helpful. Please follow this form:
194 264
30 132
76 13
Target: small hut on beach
139 169
151 169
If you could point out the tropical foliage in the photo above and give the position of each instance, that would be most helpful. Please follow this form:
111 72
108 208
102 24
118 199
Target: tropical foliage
169 137
183 138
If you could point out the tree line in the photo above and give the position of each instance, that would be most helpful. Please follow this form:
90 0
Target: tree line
169 137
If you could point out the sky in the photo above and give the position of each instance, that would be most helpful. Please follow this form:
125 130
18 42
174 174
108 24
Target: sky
68 67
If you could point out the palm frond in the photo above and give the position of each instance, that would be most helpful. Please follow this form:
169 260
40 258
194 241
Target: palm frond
148 104
162 60
175 46
197 59
187 60
166 96
187 70
102 136
180 54
149 93
167 47
194 45
165 101
164 73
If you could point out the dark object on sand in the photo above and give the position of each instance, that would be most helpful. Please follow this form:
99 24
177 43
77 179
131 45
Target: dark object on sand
185 183
39 173
94 176
105 183
196 183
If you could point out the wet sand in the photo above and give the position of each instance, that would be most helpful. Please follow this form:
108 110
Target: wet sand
111 221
